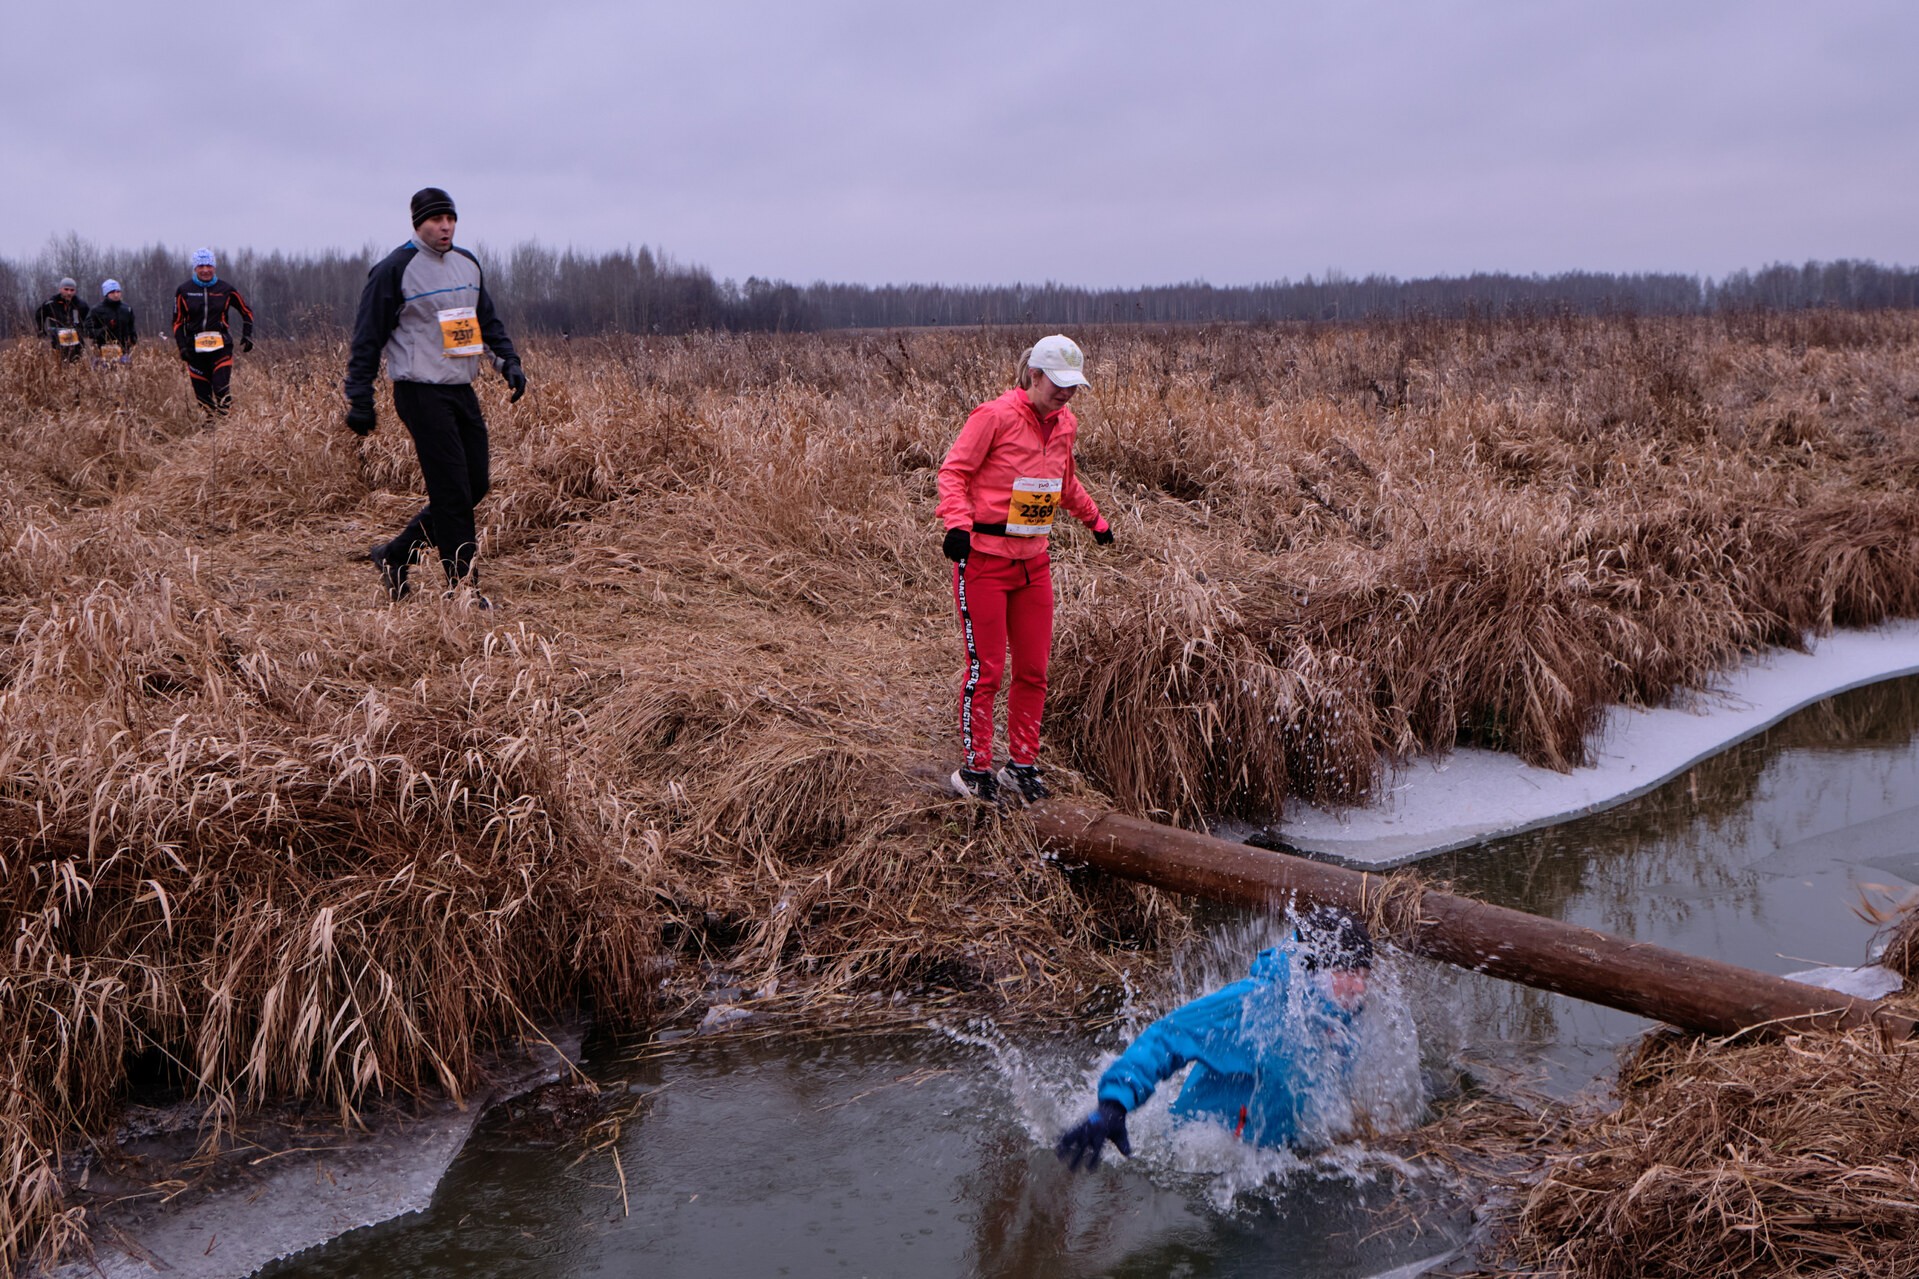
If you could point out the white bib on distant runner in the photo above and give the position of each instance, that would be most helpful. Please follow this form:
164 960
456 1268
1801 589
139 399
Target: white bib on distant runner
68 337
1030 512
208 341
460 332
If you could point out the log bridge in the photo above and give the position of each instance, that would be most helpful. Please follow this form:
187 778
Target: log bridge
1651 981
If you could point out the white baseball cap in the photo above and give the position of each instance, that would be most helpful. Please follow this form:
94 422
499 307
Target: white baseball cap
1060 359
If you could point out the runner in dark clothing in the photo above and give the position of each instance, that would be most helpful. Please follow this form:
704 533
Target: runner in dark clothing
63 319
200 308
425 308
111 326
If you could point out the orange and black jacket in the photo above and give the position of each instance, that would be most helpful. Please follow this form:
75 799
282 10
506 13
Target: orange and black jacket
200 308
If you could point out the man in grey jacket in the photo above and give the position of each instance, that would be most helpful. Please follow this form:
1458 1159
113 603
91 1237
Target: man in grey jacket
426 308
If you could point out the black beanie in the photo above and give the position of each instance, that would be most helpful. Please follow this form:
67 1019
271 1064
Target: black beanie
1331 938
431 202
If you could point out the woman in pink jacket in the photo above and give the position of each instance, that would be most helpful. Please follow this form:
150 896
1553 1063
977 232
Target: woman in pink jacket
1001 483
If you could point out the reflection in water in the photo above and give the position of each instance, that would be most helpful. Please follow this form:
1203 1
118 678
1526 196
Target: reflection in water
931 1154
1756 857
876 1156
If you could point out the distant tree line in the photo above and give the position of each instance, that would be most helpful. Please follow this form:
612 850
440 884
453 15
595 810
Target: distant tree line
540 290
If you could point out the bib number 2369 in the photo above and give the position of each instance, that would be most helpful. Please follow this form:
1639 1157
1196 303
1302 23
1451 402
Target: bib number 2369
1030 513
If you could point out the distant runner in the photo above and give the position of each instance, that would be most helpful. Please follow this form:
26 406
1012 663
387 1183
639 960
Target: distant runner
111 325
1262 1049
62 318
200 330
1002 481
426 308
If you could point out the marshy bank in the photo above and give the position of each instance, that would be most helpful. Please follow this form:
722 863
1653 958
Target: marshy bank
268 837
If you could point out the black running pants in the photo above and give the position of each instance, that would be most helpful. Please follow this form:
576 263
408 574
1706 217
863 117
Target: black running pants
449 436
211 373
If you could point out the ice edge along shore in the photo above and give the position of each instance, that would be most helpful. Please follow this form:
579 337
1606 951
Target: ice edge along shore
1434 805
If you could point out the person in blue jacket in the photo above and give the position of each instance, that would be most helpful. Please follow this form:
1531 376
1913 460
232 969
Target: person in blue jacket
1258 1048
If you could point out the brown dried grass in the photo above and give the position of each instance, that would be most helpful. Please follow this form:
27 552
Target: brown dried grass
255 823
1788 1156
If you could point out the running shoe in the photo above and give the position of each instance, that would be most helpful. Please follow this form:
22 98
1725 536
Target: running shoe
978 785
392 569
1026 780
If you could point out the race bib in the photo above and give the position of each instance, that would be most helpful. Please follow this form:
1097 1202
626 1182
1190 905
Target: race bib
208 341
460 332
1030 513
109 350
67 337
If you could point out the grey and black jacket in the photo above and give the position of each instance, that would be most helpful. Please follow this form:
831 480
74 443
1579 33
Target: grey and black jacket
402 310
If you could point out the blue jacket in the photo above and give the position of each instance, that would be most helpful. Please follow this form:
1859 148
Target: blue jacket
1259 1048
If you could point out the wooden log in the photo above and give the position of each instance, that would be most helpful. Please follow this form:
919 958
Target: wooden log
1651 981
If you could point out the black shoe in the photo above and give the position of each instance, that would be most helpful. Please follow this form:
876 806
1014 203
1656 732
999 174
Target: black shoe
392 570
975 784
1025 779
473 598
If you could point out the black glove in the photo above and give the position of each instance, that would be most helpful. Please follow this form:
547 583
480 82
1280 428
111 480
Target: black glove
1080 1146
1104 536
360 417
246 345
958 544
515 379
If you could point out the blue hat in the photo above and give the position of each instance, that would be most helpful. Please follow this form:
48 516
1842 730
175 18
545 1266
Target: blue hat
202 257
109 286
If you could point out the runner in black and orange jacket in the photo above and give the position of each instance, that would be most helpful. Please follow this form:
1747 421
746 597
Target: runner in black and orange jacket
200 309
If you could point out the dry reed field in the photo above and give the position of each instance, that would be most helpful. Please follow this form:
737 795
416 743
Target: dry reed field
265 834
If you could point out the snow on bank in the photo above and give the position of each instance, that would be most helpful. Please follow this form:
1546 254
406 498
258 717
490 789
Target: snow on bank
1470 796
276 1204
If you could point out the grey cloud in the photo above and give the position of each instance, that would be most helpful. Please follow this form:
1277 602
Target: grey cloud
1121 144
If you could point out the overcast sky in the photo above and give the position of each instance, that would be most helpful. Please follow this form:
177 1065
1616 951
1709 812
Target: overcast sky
1108 143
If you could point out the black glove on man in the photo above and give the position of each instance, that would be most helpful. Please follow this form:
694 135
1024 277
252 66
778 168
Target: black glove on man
360 417
246 345
515 379
1080 1146
1104 536
958 544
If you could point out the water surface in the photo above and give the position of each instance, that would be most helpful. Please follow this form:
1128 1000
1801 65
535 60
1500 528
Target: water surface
928 1154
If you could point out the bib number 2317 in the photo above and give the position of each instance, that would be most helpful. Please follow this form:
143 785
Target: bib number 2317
460 332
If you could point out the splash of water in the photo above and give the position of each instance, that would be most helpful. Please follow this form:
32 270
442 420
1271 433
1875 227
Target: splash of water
1380 1090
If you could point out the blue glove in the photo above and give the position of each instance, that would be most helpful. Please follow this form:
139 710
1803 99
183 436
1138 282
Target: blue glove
1080 1146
